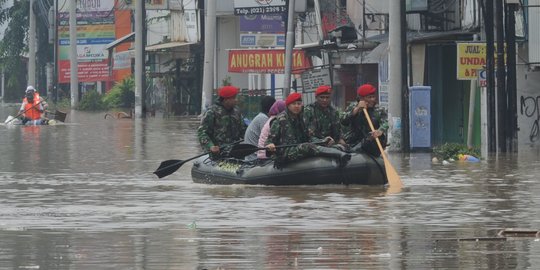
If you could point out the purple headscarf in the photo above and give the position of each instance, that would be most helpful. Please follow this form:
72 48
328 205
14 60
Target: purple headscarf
277 107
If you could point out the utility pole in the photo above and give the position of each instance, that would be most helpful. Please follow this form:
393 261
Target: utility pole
511 76
74 79
395 73
289 44
55 52
32 46
490 70
501 77
140 39
209 50
405 136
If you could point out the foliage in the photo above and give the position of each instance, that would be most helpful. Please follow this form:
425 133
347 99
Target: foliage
91 101
121 95
13 46
62 104
452 150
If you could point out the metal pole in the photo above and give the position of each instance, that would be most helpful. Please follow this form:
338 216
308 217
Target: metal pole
289 44
405 136
501 77
318 20
139 58
395 71
209 50
472 102
32 46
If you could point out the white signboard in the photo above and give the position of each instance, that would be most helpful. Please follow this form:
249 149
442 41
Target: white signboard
249 7
92 52
314 78
122 60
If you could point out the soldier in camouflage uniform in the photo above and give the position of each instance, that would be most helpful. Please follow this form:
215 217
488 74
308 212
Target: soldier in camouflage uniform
360 136
323 120
289 128
222 123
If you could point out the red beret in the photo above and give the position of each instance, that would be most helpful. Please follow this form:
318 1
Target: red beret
323 89
228 91
292 98
366 89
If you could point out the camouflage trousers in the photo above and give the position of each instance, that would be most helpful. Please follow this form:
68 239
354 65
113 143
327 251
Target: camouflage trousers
295 153
369 146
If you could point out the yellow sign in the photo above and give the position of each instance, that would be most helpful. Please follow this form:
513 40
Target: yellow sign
471 57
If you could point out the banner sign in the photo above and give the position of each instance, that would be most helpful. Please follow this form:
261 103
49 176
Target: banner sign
271 23
266 61
250 7
95 29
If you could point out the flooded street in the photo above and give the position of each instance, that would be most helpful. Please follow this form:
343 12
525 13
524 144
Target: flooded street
82 196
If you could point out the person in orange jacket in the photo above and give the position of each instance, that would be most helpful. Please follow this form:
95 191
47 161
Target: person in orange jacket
31 89
31 110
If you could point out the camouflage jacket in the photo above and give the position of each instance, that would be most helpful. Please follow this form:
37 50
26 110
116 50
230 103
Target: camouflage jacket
322 123
288 129
220 126
358 126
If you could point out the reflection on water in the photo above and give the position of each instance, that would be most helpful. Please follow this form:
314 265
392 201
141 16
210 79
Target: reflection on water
82 196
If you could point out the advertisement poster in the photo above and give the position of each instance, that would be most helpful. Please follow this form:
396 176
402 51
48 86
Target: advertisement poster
95 29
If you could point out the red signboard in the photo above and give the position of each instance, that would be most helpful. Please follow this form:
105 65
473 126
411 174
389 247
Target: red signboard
88 71
266 61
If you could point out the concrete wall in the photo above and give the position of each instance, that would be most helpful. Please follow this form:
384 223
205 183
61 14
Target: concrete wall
528 107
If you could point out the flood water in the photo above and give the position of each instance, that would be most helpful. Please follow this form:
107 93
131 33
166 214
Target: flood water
82 196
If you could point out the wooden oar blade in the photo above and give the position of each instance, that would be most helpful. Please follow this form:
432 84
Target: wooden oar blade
240 151
394 181
393 178
168 167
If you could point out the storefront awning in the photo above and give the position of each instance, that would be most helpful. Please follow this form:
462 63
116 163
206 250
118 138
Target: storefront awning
358 57
169 46
127 38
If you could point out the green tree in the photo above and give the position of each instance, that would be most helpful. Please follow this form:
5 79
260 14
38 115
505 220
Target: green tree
14 45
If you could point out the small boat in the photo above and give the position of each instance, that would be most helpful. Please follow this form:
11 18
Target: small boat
12 121
52 118
362 169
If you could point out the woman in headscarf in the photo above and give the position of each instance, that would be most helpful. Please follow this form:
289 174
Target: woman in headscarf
276 108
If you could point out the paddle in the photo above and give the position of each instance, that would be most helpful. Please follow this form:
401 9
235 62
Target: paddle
58 115
394 181
170 166
21 113
240 151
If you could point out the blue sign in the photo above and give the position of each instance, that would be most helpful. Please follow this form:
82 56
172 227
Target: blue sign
248 40
272 23
281 40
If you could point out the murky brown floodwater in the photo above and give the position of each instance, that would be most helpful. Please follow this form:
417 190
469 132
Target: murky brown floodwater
83 196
